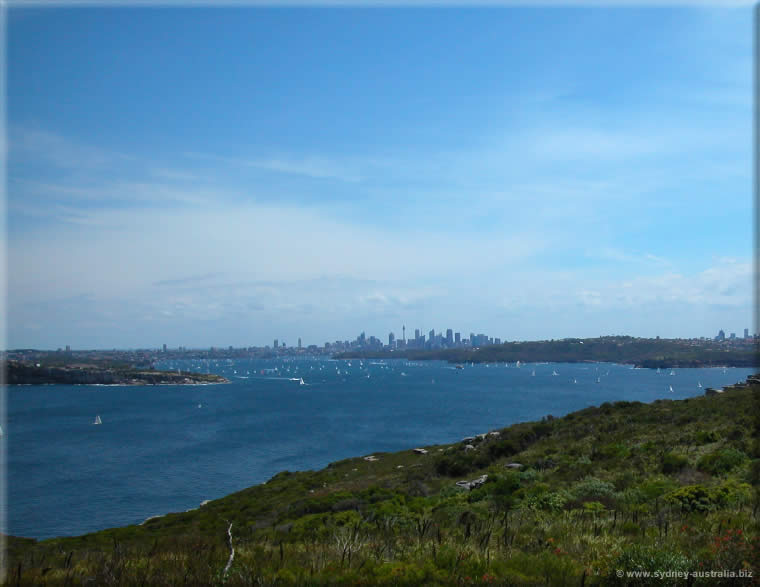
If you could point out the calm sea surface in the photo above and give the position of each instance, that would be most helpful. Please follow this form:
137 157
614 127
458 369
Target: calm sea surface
167 448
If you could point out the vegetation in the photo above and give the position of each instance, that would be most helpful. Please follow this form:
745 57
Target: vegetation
650 353
114 374
623 487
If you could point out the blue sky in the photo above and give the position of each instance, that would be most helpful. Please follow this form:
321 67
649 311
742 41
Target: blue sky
204 176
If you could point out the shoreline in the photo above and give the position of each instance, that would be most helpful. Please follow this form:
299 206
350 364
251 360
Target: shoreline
433 450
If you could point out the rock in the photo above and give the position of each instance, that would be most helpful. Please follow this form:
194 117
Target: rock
473 484
469 447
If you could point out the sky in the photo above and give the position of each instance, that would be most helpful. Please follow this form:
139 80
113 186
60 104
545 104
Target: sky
197 176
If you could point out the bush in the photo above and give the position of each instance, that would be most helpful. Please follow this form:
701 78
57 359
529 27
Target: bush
593 489
721 461
691 498
453 465
707 437
672 463
647 558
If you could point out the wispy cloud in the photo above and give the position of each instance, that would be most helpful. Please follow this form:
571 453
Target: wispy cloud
57 150
310 166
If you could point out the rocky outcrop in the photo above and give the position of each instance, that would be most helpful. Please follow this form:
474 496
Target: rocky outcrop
474 484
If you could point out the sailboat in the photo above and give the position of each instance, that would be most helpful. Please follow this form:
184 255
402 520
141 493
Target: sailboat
301 382
658 369
671 388
517 364
699 384
555 373
97 420
598 380
534 373
575 380
672 372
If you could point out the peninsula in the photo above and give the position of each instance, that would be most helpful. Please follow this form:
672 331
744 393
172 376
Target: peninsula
26 373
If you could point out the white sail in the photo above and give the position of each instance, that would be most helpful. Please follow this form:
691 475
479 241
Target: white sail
301 382
97 420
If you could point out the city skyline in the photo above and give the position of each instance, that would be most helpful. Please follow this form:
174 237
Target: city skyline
420 340
212 176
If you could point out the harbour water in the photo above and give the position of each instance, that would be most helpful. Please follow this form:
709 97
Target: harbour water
161 449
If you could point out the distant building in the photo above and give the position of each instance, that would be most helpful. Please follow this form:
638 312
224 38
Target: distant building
746 333
450 337
276 343
721 336
497 341
299 342
391 340
457 338
67 348
733 336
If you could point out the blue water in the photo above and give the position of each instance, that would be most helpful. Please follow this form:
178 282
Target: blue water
158 452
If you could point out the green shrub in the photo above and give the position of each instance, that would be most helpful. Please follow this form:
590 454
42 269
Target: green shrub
615 450
454 465
630 528
721 461
707 437
691 498
672 463
591 489
651 489
647 558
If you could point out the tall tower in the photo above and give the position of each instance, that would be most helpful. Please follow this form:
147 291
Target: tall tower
403 331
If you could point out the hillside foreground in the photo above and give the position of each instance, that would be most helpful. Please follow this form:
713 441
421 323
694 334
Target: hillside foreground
585 499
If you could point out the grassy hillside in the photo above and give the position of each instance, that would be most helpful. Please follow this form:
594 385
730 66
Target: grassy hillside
668 486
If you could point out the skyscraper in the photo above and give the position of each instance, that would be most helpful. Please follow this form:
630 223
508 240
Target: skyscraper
275 343
299 342
449 337
746 333
391 340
